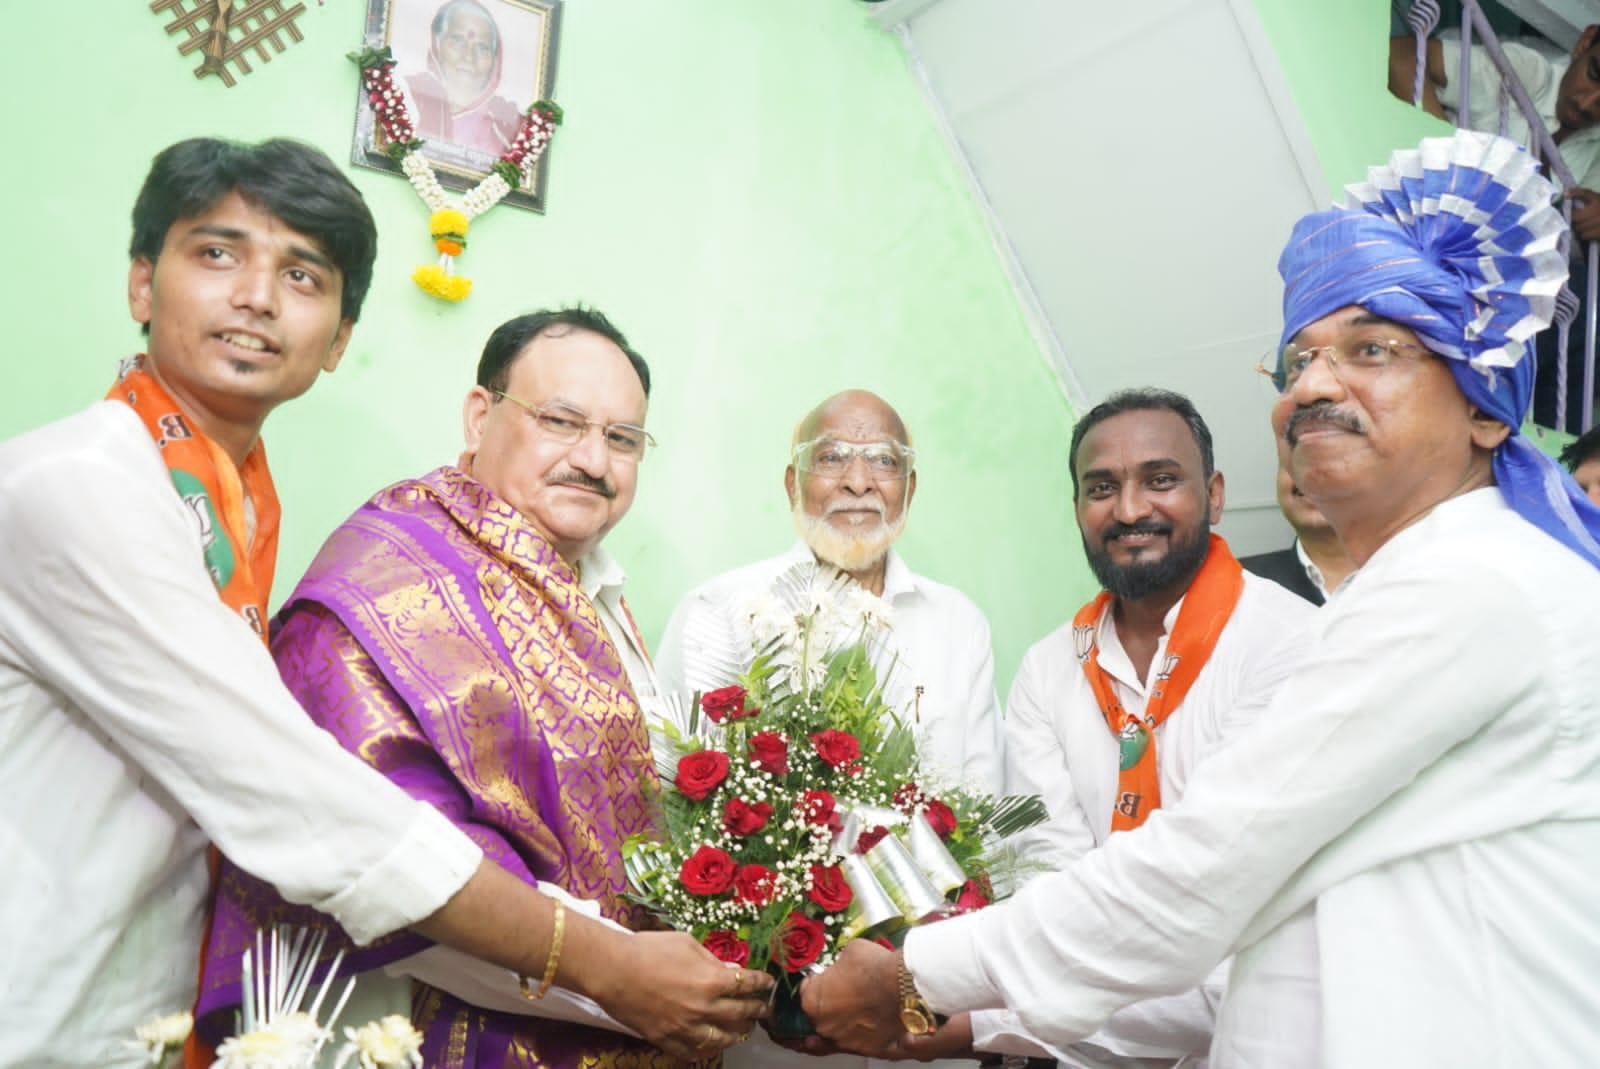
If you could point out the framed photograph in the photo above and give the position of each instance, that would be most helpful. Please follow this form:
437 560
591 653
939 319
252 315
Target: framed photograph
470 69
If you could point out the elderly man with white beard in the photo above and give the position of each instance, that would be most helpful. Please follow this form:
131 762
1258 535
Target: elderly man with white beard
850 480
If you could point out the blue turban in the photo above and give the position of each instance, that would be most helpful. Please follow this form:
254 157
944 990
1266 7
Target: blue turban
1459 241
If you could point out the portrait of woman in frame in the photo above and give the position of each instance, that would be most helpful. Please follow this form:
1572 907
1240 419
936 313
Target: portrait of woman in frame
469 69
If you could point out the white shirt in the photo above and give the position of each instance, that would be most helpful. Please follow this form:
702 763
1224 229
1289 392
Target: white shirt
139 718
1541 75
942 641
1060 748
1421 804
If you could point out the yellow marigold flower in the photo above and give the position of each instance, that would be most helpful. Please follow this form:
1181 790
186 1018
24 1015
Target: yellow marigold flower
449 223
435 280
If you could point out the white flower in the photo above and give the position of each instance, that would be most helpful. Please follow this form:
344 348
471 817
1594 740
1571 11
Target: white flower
874 610
159 1034
769 619
390 1043
289 1043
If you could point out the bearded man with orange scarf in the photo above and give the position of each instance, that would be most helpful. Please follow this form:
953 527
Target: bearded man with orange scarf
140 714
1110 713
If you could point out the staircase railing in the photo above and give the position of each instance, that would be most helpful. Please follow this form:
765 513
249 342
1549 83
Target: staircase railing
1423 18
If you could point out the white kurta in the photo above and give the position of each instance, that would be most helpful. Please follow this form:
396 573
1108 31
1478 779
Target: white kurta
1420 804
1071 761
942 640
140 717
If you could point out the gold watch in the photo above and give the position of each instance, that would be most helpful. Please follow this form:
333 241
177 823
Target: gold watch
916 1016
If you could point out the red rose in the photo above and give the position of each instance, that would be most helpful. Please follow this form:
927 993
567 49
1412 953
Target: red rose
770 751
708 871
971 897
755 884
726 703
800 942
700 772
941 816
743 818
837 748
870 838
727 946
819 807
829 888
884 943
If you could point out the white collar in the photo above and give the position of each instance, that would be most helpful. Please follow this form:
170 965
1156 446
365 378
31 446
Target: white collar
898 578
1313 573
599 573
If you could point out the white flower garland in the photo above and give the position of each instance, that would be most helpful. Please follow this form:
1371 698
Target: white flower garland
449 222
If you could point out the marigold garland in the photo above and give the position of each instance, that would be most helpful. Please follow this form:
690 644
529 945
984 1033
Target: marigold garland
448 224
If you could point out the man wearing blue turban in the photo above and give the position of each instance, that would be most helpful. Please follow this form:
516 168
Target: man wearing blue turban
1404 850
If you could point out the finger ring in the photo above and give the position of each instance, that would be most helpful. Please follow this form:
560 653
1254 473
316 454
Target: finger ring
712 1036
738 982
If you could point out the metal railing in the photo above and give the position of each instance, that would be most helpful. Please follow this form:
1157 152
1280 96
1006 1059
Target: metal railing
1423 18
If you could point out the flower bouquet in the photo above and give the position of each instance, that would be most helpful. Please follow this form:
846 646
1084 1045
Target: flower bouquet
796 815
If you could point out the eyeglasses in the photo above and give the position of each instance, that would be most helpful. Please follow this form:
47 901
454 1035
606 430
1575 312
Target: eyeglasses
1362 356
886 461
565 424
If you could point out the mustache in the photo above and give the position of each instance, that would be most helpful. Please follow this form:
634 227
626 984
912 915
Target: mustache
1319 412
588 482
855 506
1117 530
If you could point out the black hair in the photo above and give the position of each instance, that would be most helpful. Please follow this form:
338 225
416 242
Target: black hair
1581 449
514 335
1145 399
294 181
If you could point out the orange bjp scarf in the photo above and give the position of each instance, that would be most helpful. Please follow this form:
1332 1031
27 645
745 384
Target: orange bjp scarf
1207 606
216 491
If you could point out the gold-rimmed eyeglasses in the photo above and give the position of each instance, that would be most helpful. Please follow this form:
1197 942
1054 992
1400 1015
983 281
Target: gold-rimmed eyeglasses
562 423
830 458
1359 356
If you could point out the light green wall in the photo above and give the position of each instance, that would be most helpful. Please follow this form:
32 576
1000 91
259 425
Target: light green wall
1335 57
754 191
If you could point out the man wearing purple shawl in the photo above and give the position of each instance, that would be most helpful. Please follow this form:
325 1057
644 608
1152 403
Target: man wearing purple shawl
1402 854
464 633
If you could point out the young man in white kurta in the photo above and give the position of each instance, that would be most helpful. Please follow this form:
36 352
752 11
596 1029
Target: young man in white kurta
140 718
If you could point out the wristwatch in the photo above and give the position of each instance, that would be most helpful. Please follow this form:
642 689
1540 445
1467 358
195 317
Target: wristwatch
916 1016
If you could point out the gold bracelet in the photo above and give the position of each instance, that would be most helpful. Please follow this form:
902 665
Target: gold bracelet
557 935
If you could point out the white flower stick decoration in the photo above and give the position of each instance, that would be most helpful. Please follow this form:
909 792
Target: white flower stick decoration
274 981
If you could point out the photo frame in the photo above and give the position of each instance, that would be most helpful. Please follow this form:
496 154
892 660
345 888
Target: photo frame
469 69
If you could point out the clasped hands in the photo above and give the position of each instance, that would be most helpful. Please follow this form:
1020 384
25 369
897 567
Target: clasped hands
855 1006
678 996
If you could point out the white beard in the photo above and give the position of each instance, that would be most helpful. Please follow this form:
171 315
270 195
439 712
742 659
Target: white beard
849 551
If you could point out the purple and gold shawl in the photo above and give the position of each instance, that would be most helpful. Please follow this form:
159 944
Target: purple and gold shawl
443 640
